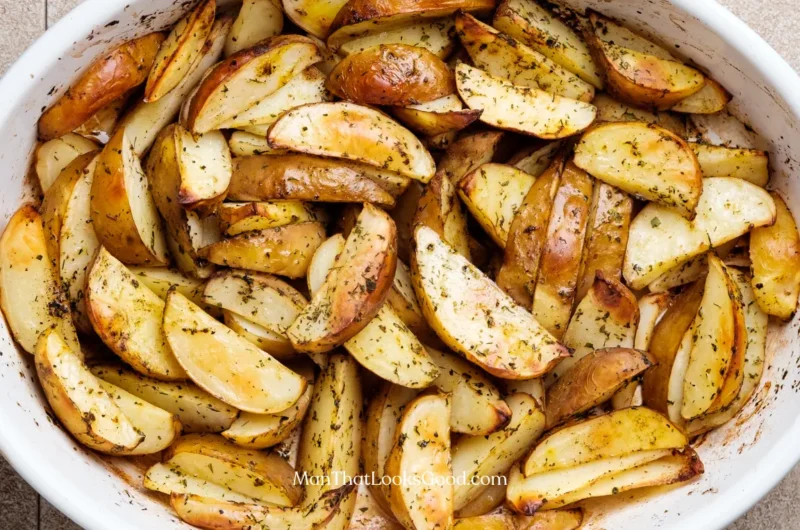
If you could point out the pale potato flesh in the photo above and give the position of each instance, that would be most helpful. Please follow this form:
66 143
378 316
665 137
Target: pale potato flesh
370 514
651 308
488 500
224 364
248 144
535 160
276 344
313 16
204 161
403 299
436 36
526 110
128 318
712 98
660 238
720 161
53 156
551 520
160 280
257 20
353 132
167 480
609 109
474 317
492 521
645 160
438 117
439 209
725 129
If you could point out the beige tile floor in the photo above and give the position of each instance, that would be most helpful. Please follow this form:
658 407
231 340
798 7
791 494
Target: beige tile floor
21 21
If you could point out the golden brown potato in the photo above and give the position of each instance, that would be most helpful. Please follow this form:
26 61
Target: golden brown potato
551 520
109 77
354 290
637 71
313 16
593 380
168 480
239 217
440 210
391 74
305 178
775 253
521 109
403 214
609 109
245 78
285 251
179 50
606 236
468 153
438 117
631 156
712 98
527 237
366 17
560 264
258 20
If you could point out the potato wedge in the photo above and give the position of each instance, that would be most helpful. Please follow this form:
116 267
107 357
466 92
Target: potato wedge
353 132
404 213
437 36
477 407
205 167
245 144
440 210
534 160
258 20
527 236
551 520
305 178
756 323
52 157
285 251
179 50
609 109
110 76
560 264
101 126
422 447
262 476
469 153
314 17
359 18
160 280
245 78
354 290
521 109
391 74
167 480
612 435
493 193
475 318
637 71
440 116
645 160
505 57
226 365
124 214
660 238
403 300
198 411
775 254
712 98
593 380
720 161
489 500
385 347
203 232
145 121
276 344
652 308
530 23
725 129
691 270
479 457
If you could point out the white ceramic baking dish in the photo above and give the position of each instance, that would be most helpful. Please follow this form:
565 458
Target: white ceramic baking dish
743 460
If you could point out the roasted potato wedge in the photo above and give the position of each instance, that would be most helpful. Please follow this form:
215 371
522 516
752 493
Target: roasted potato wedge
503 56
358 18
354 290
637 71
258 20
469 153
422 447
276 344
391 74
437 36
720 161
262 476
593 380
526 110
712 98
314 17
101 126
179 50
80 401
353 132
440 210
475 317
560 264
692 269
53 156
124 214
528 235
110 76
167 480
403 299
440 116
652 308
530 23
493 193
725 129
475 457
285 251
775 254
205 167
237 218
244 144
127 316
551 520
660 238
534 160
486 502
645 160
198 411
611 110
242 80
606 236
226 365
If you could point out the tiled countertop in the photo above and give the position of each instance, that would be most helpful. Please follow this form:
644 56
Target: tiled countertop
21 21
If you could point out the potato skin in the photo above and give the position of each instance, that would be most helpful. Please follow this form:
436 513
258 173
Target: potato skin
107 79
393 74
593 380
440 210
